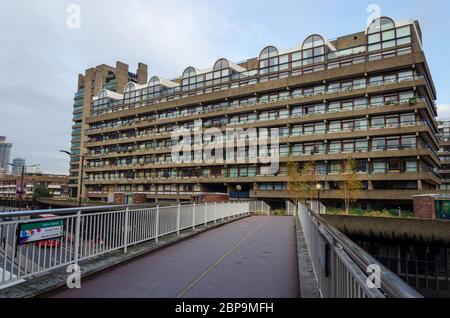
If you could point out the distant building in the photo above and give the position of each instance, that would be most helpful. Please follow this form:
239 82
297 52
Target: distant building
18 164
56 184
33 170
5 155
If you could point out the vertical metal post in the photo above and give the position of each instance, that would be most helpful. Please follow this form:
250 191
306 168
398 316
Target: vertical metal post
223 214
77 236
215 212
206 213
193 217
178 219
157 224
125 237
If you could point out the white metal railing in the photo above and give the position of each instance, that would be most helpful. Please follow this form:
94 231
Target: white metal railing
342 267
291 209
89 232
260 207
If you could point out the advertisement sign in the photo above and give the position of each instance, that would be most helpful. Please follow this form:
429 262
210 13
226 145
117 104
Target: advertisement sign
443 209
40 231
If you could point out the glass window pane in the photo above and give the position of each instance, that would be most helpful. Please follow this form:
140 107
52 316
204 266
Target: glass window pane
405 31
374 38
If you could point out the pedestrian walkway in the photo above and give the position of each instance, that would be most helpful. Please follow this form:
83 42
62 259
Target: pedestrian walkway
254 257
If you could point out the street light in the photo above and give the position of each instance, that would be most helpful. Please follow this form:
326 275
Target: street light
238 189
81 173
21 180
318 188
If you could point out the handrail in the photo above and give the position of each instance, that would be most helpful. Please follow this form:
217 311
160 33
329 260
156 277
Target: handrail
83 210
391 284
65 211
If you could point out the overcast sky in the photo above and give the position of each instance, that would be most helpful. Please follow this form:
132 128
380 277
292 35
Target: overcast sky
40 57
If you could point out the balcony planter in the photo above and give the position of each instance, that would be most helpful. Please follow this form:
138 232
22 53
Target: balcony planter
413 101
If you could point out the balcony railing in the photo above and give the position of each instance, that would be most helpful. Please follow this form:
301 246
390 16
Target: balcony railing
117 107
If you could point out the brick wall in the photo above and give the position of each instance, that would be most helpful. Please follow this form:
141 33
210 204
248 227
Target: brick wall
213 197
119 198
139 198
424 208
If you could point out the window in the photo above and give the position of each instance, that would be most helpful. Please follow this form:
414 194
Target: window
335 147
189 79
361 145
404 31
393 143
409 142
378 144
379 166
411 166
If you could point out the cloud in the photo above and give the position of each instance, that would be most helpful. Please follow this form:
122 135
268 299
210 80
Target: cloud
41 58
443 111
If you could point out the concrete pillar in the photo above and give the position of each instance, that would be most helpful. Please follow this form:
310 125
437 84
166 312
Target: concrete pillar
370 185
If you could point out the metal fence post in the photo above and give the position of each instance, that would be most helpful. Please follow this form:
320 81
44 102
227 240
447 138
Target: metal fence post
206 213
157 223
223 214
178 219
215 212
125 238
77 237
193 217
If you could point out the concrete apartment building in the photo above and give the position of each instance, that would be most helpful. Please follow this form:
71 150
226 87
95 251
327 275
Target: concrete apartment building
444 154
11 184
369 95
5 155
89 85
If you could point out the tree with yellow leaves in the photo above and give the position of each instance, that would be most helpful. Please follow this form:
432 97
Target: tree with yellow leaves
302 182
351 185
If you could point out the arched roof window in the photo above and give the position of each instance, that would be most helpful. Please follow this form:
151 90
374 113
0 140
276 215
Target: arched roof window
154 81
189 72
268 52
380 24
313 41
129 87
103 94
221 65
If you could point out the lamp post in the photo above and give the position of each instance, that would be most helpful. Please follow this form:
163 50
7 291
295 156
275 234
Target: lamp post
22 175
238 189
80 193
318 188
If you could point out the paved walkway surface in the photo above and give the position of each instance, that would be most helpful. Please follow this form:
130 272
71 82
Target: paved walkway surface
254 257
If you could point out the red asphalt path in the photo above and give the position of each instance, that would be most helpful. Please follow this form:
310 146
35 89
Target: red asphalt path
254 257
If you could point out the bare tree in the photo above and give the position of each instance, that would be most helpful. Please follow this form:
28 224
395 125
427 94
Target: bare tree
351 185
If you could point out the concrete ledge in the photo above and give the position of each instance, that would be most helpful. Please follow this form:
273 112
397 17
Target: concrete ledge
308 281
410 230
44 285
